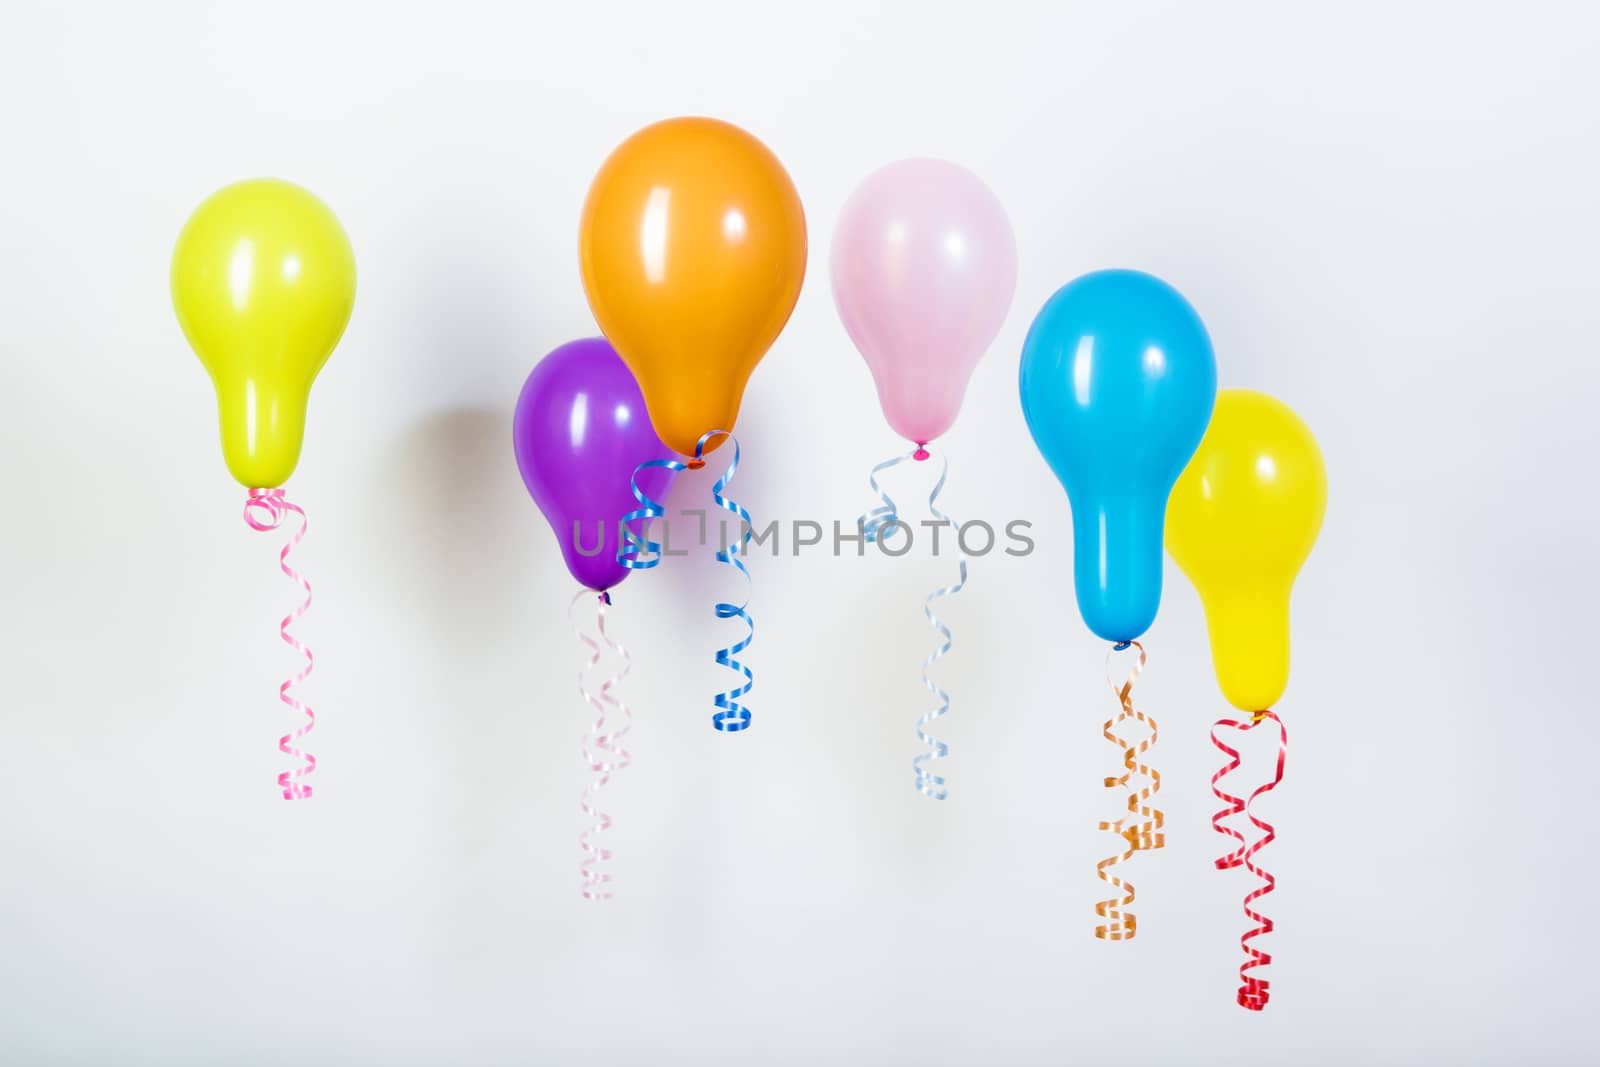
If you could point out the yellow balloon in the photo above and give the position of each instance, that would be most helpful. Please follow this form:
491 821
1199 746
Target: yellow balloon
263 280
1240 522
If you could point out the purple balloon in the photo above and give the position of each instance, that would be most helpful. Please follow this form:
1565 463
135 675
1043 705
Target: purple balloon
579 431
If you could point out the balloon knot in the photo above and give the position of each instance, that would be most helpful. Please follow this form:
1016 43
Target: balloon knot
921 453
695 464
264 509
1120 646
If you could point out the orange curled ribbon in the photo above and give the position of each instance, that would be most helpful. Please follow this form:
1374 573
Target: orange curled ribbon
1120 924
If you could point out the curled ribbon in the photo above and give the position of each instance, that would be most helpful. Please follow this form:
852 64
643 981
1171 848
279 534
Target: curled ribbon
1120 924
601 746
272 504
1253 989
639 551
876 525
731 716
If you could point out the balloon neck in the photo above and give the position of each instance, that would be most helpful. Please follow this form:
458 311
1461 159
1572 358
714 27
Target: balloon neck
263 424
922 452
1249 629
605 597
1117 563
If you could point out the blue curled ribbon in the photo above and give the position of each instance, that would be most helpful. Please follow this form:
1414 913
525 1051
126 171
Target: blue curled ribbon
634 544
875 526
731 716
639 552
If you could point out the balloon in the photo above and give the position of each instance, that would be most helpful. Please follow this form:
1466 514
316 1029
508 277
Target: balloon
1118 380
263 280
924 268
1242 520
693 247
579 431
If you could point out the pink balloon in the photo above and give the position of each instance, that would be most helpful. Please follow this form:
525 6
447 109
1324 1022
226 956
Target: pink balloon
924 268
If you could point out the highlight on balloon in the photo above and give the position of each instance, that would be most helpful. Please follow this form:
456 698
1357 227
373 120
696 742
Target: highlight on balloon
692 251
578 432
1118 380
263 282
924 266
1242 521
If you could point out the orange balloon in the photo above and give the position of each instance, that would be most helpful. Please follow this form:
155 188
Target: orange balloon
693 248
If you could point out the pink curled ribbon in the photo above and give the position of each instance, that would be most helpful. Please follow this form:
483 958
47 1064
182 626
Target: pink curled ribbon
272 504
601 746
1253 989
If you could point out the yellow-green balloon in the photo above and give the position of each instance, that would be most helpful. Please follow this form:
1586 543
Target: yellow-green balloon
263 281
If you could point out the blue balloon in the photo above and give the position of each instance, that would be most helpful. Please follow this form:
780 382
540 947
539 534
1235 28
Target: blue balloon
1118 381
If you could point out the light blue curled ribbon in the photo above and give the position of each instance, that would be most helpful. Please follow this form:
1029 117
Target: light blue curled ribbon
639 552
876 525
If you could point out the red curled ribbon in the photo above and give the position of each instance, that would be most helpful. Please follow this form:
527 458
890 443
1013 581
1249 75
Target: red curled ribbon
1120 924
273 504
1253 989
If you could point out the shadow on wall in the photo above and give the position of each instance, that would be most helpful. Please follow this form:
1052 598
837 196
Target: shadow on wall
458 526
468 565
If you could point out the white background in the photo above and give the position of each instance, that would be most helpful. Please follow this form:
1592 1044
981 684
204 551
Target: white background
1386 214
